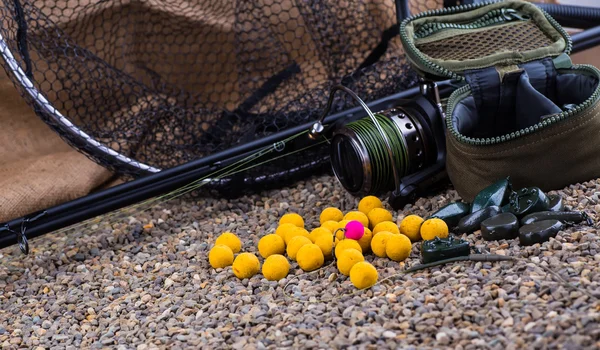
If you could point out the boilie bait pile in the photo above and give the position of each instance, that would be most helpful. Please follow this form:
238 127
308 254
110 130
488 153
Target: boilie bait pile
347 238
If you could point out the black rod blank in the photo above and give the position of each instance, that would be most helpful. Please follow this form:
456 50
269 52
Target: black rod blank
126 194
586 39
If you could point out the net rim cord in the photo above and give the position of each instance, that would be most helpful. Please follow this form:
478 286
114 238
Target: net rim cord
65 124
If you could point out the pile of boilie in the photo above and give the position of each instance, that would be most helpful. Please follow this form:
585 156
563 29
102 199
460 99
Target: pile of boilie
347 238
498 211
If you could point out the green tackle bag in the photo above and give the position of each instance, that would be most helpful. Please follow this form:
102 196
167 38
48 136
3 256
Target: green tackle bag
524 111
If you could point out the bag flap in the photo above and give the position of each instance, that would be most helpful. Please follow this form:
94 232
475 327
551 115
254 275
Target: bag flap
446 42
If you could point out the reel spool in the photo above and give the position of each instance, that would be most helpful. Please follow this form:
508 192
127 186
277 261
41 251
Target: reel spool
358 154
401 149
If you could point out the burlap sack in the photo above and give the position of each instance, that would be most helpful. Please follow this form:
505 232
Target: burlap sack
37 169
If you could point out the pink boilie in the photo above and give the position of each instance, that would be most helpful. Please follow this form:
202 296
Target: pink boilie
354 230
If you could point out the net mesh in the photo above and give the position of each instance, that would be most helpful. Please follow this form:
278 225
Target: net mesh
514 37
140 86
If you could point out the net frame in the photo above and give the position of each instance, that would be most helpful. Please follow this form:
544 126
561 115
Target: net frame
16 62
62 125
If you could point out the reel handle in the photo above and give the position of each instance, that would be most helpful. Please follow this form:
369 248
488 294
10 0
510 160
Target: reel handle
416 184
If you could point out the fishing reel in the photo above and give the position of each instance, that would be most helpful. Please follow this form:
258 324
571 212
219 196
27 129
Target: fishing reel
400 150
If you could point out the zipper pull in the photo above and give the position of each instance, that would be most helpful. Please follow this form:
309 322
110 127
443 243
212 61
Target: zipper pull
512 14
562 61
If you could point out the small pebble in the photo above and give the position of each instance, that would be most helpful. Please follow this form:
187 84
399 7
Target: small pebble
442 338
332 277
389 334
79 257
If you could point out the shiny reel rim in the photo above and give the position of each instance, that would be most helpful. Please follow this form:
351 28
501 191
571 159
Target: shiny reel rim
360 150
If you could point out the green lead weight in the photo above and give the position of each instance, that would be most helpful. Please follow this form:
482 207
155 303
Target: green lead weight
539 232
568 217
501 226
443 248
528 200
452 213
495 194
472 222
555 203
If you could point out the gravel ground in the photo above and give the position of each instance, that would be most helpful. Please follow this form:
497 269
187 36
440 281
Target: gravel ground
120 285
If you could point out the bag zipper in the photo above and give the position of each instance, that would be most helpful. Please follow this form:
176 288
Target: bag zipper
426 65
497 16
460 93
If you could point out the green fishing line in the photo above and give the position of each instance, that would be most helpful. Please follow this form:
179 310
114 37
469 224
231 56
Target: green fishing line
381 164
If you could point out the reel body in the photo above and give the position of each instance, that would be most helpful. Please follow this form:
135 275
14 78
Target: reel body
400 150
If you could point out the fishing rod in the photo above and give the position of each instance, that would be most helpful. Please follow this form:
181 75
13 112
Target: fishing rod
20 230
573 16
586 39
